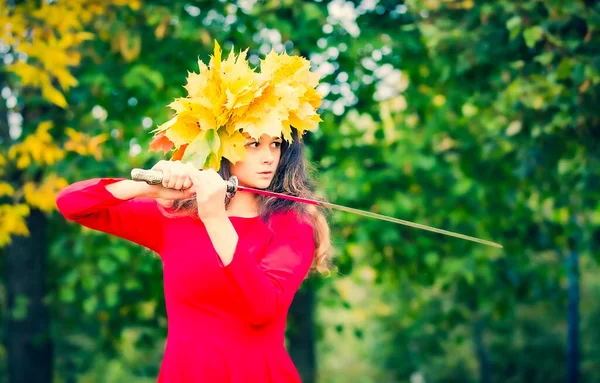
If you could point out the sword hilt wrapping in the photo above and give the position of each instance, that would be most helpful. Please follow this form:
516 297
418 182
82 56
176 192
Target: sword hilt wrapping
155 177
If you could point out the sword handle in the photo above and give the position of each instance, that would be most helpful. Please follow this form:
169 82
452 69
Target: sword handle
151 177
155 177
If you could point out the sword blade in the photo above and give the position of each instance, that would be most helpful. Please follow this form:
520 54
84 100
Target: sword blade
370 215
154 177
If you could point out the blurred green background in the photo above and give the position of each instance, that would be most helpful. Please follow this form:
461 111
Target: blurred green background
479 117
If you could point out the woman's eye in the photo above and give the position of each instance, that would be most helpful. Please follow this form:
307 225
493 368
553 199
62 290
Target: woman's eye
277 144
252 144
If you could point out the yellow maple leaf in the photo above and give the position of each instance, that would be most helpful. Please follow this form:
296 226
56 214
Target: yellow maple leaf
6 189
75 142
233 146
196 83
43 196
64 77
284 68
38 147
133 4
12 222
30 75
183 131
83 144
199 150
53 95
23 162
163 127
94 145
215 60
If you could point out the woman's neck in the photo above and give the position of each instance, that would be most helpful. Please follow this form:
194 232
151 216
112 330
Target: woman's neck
243 205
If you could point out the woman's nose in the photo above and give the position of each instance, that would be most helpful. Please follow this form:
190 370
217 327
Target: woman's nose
266 155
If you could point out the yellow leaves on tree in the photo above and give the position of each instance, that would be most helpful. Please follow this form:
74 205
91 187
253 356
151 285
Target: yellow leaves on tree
128 44
44 39
43 196
133 4
227 101
83 144
12 222
37 148
6 189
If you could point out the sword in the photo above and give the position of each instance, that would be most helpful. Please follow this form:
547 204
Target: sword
154 177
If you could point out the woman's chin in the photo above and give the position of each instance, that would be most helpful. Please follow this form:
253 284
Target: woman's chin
262 184
258 184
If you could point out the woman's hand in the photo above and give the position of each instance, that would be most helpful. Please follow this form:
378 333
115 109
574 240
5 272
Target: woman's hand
183 180
177 182
210 190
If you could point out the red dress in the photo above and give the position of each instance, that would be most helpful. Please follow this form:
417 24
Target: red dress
225 323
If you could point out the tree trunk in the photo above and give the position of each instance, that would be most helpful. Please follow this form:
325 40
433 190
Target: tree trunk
480 351
573 318
28 342
301 332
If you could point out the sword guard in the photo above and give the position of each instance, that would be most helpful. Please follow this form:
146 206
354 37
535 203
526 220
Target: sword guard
232 186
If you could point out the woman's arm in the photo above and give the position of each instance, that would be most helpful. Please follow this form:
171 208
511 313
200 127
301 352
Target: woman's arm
128 189
116 206
223 237
268 287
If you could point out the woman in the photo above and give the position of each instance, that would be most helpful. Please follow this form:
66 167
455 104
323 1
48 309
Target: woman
231 267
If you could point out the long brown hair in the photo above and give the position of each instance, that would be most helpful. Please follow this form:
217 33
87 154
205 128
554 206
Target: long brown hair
294 176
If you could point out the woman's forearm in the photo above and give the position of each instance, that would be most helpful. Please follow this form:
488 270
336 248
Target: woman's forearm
128 189
223 237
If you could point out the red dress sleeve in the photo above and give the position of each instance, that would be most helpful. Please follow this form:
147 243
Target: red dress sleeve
90 204
268 287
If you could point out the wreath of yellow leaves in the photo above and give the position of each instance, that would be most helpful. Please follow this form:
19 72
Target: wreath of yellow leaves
228 101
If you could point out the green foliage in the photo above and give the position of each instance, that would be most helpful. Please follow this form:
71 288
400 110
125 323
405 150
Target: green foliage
474 117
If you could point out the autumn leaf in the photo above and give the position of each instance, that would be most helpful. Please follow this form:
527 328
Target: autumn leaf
201 147
6 189
233 145
160 143
43 196
182 132
198 150
178 154
38 147
12 222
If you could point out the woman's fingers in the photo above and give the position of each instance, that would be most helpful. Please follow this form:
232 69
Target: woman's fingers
176 174
166 176
207 183
187 183
173 177
189 171
172 194
181 177
210 193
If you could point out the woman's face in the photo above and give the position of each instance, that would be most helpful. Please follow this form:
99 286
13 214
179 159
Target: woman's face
258 168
